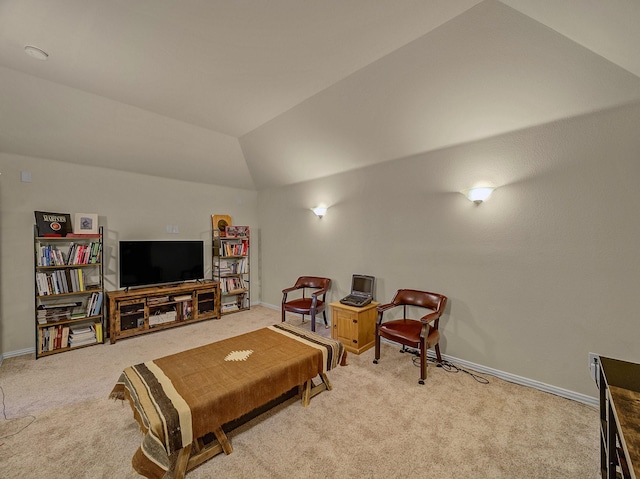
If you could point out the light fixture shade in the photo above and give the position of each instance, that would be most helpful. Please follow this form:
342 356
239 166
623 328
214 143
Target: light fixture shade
35 52
479 194
319 211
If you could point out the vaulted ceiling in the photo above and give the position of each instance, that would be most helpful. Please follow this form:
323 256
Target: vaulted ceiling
258 94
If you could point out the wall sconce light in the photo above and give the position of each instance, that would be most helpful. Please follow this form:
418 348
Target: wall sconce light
478 195
320 211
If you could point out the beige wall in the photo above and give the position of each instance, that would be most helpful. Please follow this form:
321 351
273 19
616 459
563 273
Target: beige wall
541 274
129 206
538 276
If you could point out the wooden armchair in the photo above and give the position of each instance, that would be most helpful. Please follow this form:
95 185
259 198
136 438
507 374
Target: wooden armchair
308 304
416 333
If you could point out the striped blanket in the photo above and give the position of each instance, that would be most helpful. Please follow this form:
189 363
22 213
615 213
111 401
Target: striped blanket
182 397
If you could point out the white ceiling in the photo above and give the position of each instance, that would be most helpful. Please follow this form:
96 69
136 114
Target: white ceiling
258 94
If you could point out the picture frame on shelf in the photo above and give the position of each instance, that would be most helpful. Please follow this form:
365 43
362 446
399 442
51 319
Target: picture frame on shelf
219 224
85 224
237 232
53 224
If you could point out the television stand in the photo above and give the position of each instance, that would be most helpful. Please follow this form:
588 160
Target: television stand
132 312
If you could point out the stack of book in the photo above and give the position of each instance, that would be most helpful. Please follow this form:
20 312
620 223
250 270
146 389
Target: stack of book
161 317
81 334
224 268
228 307
157 300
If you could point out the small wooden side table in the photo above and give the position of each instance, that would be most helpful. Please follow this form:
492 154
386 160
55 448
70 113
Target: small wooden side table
354 327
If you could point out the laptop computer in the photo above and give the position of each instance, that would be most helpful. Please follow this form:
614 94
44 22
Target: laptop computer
361 291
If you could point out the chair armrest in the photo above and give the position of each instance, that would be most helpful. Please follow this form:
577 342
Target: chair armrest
319 292
381 308
384 307
427 318
288 290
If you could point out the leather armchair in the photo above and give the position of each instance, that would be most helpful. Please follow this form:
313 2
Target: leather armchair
420 333
310 304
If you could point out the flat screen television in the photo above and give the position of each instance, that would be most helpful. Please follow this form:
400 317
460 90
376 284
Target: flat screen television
148 263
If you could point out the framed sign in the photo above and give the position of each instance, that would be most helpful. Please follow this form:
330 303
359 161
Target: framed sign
237 231
53 224
85 224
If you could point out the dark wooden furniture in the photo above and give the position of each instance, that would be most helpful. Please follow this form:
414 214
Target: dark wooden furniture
144 310
414 333
619 383
312 304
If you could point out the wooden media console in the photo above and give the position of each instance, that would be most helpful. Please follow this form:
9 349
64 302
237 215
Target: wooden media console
144 310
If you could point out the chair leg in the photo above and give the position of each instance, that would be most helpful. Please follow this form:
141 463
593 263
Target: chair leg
283 313
423 362
377 356
324 314
438 356
313 321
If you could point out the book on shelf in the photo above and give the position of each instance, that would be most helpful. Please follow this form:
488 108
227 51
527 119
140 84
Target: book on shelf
229 248
48 255
53 337
187 310
94 304
98 328
226 307
231 284
60 282
84 253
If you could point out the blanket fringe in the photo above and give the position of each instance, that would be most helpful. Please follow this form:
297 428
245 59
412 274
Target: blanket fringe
118 392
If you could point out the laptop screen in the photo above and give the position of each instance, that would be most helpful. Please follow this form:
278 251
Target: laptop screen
362 285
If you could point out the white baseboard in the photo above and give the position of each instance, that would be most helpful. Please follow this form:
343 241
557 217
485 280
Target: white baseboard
19 352
512 378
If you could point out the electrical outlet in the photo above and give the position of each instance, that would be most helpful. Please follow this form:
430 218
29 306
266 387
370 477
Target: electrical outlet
594 364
